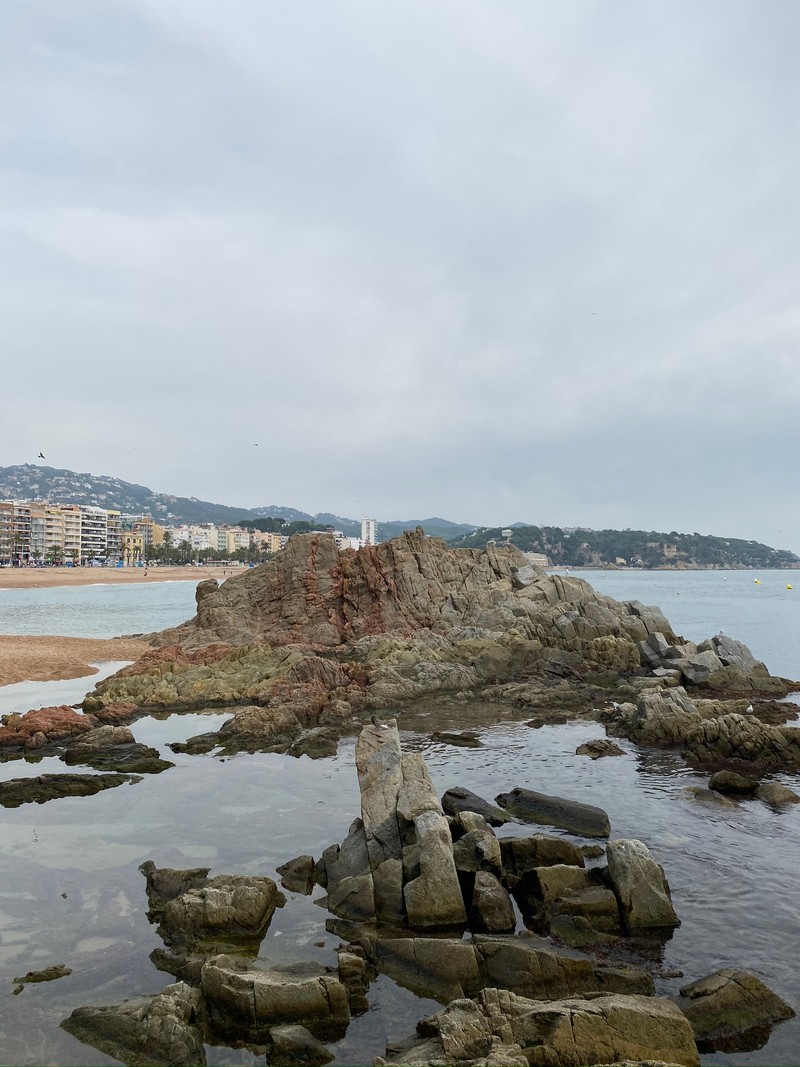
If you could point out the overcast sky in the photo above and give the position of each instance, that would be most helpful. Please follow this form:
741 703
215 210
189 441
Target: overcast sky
498 261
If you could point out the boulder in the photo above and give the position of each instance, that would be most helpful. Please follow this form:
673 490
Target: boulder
229 909
732 1010
498 1025
584 820
478 851
465 821
458 799
245 1004
598 748
521 854
640 886
731 782
164 884
294 1046
491 909
777 795
297 875
162 1029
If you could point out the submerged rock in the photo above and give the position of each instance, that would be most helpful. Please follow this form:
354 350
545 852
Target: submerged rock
294 1046
46 787
47 974
598 748
160 1030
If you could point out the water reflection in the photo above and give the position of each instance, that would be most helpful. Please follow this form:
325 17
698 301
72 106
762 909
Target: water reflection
732 871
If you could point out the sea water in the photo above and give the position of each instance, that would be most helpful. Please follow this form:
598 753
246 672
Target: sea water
71 891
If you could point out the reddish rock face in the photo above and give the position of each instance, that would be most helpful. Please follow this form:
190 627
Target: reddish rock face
40 727
314 594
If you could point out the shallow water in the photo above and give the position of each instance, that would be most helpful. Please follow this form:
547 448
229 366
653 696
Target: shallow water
732 870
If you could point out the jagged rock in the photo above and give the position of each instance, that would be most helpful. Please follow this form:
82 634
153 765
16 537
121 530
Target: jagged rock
458 799
598 748
731 782
294 1046
147 1030
244 1004
297 875
465 821
732 1010
777 795
228 909
113 748
46 787
164 884
640 886
491 909
478 851
345 872
582 819
497 1026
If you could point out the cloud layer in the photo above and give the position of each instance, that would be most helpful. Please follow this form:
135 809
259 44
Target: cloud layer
496 262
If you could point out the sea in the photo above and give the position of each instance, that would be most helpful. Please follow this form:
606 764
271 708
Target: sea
71 891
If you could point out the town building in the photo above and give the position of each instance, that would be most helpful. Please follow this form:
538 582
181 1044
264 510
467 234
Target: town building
369 531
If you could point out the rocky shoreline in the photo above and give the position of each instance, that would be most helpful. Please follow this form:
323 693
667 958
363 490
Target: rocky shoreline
527 941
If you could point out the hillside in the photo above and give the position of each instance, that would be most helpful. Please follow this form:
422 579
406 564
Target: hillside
638 548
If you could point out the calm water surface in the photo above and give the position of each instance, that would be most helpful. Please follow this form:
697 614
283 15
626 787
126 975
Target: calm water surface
732 870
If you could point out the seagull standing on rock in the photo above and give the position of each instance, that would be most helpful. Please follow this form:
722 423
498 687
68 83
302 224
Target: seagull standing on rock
376 722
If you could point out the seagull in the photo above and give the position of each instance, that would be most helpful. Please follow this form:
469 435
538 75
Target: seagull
375 722
41 455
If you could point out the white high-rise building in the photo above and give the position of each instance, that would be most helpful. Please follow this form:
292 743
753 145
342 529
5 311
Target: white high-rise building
369 532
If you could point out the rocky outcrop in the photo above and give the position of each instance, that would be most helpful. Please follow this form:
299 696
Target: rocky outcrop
197 914
530 806
640 887
46 787
719 663
114 748
244 1004
732 1011
708 731
497 1026
160 1030
396 865
38 729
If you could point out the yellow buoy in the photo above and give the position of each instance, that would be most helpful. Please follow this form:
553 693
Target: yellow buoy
788 586
757 581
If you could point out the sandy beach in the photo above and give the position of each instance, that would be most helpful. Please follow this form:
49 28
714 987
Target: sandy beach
40 577
44 659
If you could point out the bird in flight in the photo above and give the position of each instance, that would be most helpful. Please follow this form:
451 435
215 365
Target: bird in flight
41 455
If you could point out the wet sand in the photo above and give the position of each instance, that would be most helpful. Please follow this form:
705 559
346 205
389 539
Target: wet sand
42 577
44 659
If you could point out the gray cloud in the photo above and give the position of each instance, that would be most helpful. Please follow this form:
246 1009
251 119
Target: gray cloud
497 262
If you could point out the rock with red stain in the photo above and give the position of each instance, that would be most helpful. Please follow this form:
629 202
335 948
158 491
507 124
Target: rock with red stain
43 726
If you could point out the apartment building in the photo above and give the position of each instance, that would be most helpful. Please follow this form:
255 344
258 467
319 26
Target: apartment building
369 531
6 530
94 532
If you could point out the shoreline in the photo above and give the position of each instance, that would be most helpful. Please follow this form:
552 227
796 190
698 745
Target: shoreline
51 577
50 659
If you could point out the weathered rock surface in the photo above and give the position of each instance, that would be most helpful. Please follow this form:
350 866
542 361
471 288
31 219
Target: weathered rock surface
230 909
598 748
640 886
458 799
114 748
297 875
164 884
162 1029
295 1046
732 1010
708 731
497 1026
396 864
301 642
46 787
582 819
491 909
244 1004
42 727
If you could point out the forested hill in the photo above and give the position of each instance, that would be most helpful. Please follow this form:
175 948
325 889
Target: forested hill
637 548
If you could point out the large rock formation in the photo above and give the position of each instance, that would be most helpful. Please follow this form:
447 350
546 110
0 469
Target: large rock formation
303 641
497 1026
